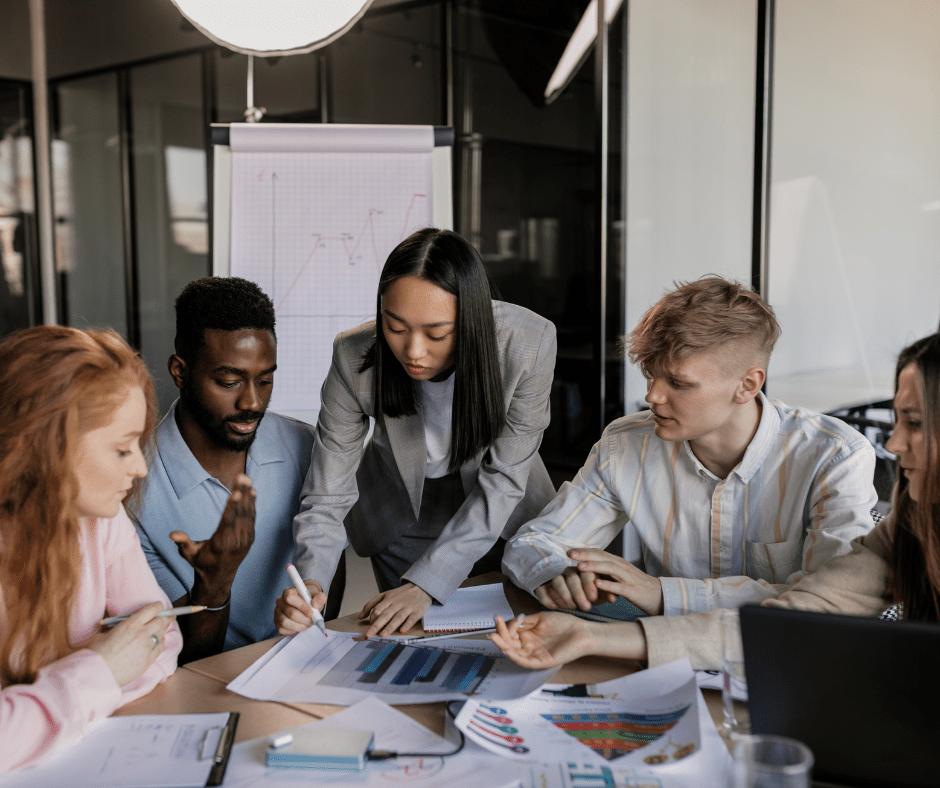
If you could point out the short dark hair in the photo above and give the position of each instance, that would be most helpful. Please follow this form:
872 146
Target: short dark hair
223 302
450 262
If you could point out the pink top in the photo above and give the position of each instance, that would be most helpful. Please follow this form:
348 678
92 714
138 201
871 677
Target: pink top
72 692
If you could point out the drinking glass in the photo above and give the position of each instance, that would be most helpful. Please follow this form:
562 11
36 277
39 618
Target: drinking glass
735 720
770 762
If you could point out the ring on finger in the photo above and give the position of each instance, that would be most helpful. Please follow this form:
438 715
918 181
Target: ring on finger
155 640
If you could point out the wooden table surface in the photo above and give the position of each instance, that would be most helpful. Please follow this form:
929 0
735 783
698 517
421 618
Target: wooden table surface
224 667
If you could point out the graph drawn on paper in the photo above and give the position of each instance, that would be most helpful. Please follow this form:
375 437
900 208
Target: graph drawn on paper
313 230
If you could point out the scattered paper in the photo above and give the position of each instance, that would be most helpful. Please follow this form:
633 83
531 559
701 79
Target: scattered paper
146 750
393 731
645 719
343 670
709 766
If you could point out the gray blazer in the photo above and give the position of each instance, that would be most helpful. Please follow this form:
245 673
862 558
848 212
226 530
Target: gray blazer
374 489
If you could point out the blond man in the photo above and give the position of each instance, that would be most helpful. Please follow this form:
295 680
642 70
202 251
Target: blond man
730 496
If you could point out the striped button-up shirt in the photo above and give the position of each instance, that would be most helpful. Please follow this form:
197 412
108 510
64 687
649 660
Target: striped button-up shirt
801 493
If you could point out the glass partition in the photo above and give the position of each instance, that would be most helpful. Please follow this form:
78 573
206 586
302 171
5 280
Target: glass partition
690 121
855 201
18 255
170 199
88 203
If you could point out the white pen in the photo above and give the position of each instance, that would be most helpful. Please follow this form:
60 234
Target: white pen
426 638
173 611
305 594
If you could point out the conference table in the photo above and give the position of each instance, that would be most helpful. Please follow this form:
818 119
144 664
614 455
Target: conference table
200 686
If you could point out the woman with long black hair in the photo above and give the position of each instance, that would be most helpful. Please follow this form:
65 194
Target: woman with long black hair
458 385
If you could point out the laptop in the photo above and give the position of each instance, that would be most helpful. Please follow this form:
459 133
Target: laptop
862 694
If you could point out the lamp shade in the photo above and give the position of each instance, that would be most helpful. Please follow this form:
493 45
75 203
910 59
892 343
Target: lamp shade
272 27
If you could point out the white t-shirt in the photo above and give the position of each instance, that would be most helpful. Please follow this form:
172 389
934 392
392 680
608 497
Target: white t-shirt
437 399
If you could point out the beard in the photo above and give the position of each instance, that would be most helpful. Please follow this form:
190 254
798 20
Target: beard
215 428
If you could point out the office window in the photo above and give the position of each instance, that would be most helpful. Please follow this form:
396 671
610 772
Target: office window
87 196
690 126
525 192
170 199
19 289
855 202
387 69
287 87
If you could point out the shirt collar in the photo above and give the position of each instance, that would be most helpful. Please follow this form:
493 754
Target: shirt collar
183 469
757 449
762 441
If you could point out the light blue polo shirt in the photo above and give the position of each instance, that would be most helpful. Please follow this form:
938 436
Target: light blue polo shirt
179 494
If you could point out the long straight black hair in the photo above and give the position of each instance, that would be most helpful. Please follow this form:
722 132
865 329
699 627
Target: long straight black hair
478 414
916 555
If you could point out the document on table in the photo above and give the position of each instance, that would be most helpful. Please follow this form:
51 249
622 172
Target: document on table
645 719
475 607
393 731
147 750
710 765
341 669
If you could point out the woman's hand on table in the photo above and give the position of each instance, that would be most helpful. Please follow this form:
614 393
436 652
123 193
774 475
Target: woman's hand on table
398 610
292 614
543 640
547 640
130 647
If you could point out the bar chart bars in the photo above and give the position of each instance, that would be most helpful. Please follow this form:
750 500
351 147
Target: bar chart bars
381 665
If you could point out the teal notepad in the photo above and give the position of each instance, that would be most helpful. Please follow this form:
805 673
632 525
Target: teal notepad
323 748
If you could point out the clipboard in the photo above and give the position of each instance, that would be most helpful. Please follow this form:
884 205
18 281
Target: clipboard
223 750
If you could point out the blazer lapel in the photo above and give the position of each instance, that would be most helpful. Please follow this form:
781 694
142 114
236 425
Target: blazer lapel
406 437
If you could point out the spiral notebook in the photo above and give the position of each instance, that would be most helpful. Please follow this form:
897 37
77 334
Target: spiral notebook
470 608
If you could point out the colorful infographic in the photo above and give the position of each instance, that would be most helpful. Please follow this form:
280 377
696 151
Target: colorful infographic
646 719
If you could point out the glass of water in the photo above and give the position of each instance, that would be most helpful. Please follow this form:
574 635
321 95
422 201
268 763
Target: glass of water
771 762
735 719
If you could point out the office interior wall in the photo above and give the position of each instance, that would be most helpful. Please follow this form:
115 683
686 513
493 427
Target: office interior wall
854 258
15 49
690 120
85 35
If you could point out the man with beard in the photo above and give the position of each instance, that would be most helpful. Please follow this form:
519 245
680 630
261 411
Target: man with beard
224 486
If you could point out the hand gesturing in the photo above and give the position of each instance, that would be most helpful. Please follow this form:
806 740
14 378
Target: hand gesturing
217 558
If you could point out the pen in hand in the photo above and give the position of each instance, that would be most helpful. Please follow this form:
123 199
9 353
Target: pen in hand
295 578
173 611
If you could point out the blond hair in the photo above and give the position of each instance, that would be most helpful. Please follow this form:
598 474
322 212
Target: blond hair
706 314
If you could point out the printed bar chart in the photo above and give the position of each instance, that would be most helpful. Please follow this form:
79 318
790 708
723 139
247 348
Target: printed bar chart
379 665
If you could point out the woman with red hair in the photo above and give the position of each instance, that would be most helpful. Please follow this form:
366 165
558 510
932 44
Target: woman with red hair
75 409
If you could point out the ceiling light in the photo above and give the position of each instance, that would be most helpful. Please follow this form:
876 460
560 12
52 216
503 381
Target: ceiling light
272 27
578 45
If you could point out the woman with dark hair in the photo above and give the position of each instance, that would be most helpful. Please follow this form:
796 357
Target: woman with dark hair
894 570
458 385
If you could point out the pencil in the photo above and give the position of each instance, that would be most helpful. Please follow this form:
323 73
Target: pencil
173 611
